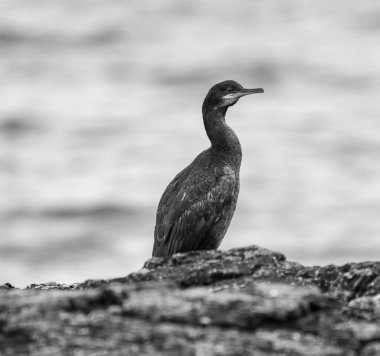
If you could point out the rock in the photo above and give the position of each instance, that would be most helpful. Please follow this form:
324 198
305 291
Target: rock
247 301
52 286
6 286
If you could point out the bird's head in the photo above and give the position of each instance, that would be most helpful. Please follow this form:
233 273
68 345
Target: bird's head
227 93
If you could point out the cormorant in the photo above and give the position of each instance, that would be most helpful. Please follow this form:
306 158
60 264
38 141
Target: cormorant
197 206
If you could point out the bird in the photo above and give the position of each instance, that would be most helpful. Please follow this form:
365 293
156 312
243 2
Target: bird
197 206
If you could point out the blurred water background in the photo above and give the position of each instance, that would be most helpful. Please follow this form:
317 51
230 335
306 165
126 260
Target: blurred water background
100 106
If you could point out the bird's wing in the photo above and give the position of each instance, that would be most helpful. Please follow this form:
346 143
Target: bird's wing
190 205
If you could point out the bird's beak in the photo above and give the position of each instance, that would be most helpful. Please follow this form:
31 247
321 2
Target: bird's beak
243 92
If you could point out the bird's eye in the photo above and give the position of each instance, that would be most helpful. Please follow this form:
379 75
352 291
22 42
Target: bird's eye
229 89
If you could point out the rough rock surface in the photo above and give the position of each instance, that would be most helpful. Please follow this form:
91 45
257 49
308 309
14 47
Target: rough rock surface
247 301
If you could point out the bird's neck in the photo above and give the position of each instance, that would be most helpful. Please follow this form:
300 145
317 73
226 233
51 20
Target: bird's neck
222 137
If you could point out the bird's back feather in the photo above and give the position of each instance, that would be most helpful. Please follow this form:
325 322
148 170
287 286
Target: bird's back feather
192 203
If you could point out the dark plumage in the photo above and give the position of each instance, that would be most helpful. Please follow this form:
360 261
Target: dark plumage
197 206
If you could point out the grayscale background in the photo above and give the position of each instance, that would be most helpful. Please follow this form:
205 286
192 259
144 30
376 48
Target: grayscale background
100 106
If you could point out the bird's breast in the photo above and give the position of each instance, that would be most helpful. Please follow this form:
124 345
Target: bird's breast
227 170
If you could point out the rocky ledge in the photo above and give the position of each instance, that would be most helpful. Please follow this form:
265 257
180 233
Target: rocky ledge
247 301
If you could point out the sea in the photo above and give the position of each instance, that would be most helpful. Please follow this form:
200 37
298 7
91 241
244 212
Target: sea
100 107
